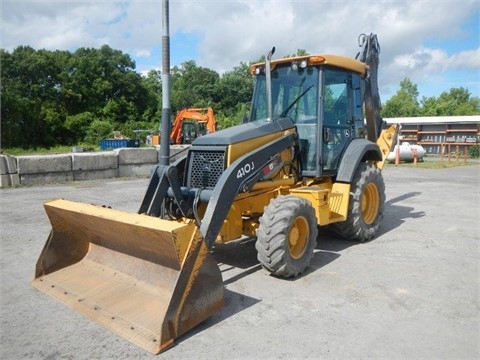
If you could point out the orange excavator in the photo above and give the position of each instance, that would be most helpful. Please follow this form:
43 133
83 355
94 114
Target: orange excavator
192 123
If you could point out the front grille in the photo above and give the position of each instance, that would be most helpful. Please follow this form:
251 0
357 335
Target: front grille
205 168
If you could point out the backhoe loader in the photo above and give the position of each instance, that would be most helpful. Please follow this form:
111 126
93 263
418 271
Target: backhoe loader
306 158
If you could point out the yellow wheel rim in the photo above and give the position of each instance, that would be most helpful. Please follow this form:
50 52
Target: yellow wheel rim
298 237
370 203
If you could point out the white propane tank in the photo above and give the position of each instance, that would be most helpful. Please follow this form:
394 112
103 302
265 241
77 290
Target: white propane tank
406 152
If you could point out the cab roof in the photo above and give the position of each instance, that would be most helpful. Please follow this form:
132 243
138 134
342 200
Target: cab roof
342 62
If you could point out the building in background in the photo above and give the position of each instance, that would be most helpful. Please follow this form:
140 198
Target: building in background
440 134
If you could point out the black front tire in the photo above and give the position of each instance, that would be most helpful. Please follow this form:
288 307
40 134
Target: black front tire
287 236
366 205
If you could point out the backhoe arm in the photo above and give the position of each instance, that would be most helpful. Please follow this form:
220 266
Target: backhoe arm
369 54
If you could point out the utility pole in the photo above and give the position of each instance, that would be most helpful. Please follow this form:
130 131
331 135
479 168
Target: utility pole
166 109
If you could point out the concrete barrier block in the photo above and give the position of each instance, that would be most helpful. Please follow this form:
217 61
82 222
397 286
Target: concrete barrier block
9 180
15 180
94 161
8 164
129 156
94 174
44 178
41 164
3 165
5 181
135 170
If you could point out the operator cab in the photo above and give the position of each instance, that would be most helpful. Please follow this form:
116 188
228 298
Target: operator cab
322 95
192 130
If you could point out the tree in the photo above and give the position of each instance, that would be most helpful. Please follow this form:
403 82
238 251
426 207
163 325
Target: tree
98 129
63 98
233 117
77 125
103 81
404 103
153 87
30 83
193 86
235 87
456 102
52 98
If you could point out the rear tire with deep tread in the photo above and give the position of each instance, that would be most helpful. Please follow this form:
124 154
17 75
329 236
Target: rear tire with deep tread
366 205
287 236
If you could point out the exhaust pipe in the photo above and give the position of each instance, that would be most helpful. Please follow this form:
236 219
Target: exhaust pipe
268 78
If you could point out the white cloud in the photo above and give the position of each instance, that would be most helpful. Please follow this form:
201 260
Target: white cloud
420 63
57 24
143 53
233 31
424 63
468 59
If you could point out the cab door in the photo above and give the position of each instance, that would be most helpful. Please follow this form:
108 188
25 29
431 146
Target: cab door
337 125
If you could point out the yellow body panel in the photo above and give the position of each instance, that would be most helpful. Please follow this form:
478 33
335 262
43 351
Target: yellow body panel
385 143
319 199
232 225
338 202
249 206
330 201
239 149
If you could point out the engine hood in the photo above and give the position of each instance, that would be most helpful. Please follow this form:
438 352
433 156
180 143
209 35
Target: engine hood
244 132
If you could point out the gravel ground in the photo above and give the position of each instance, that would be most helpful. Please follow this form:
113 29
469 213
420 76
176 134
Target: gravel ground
413 292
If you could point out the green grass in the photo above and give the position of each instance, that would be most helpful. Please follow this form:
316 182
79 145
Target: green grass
437 163
46 151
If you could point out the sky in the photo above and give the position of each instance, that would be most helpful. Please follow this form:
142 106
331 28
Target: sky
434 43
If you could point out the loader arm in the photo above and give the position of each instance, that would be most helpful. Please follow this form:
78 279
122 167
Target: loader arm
164 184
157 188
231 183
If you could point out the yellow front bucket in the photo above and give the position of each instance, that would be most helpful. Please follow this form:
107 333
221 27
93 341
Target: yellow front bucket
146 279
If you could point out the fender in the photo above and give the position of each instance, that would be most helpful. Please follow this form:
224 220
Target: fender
359 150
